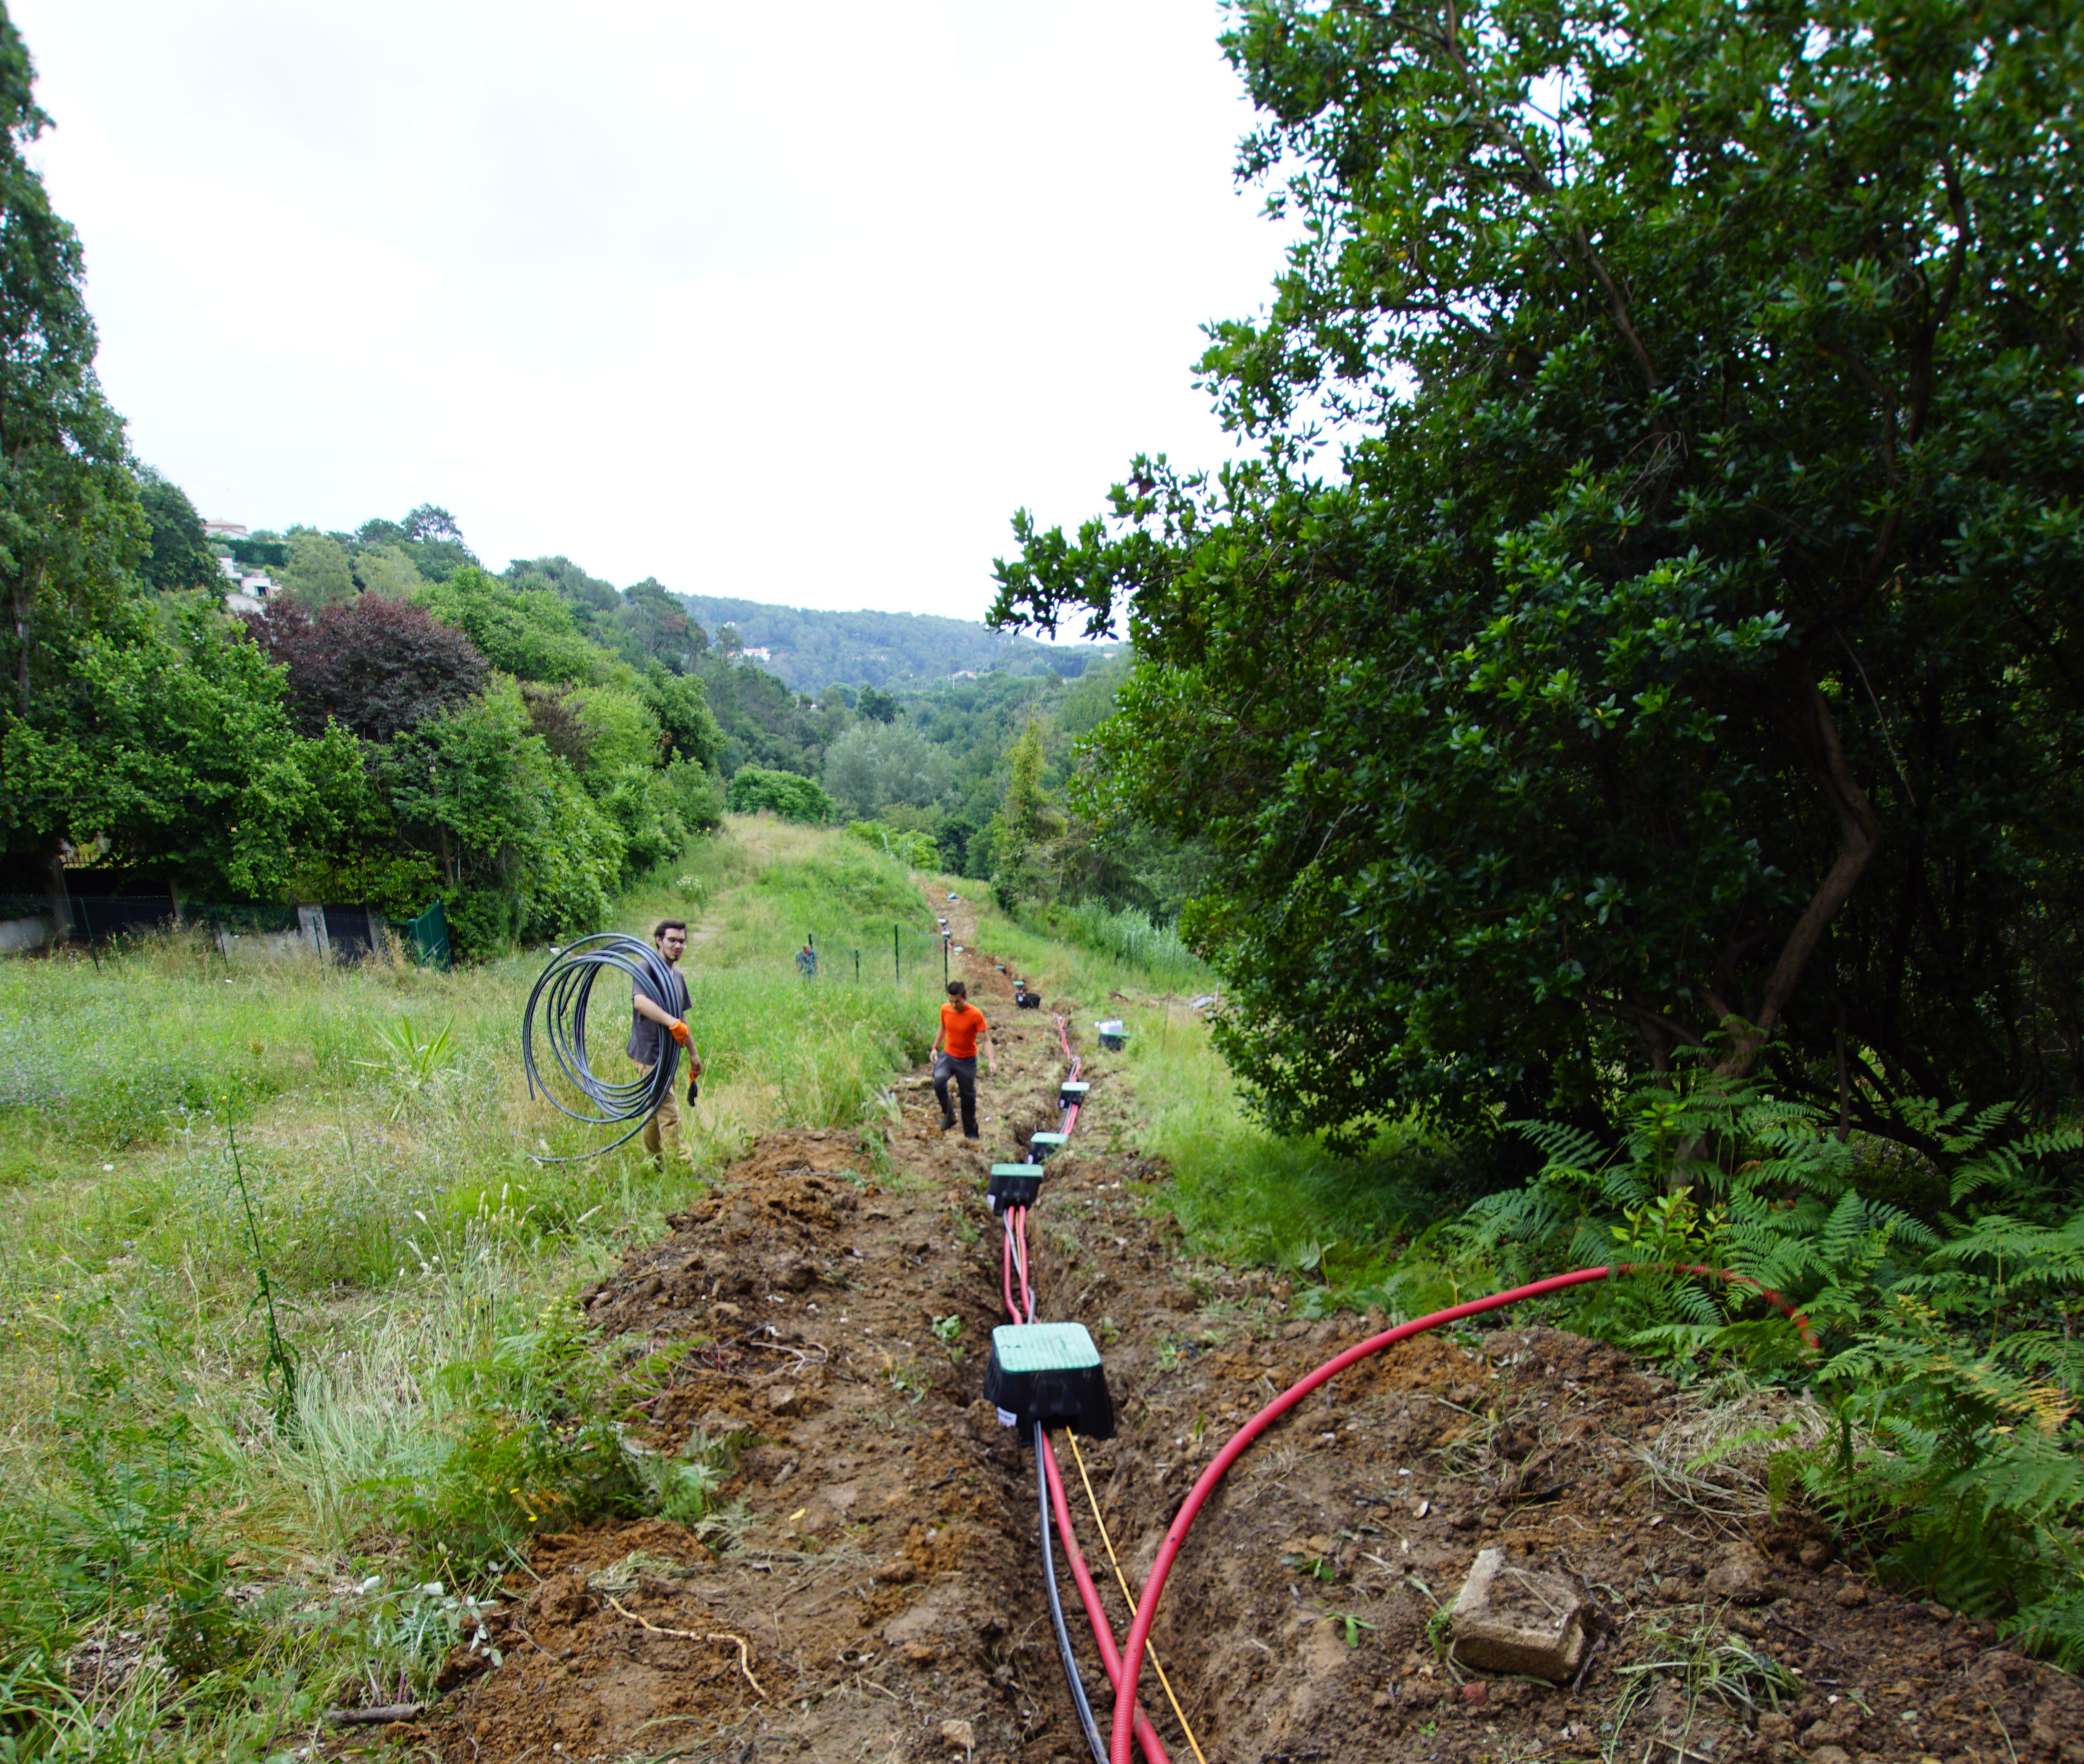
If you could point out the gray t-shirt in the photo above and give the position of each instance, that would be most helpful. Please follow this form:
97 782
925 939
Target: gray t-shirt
645 1036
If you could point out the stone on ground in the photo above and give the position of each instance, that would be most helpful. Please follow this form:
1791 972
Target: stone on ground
1516 1620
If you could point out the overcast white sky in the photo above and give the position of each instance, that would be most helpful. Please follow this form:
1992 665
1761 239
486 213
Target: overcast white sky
799 305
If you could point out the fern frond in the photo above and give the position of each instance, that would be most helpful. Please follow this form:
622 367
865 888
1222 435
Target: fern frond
1561 1145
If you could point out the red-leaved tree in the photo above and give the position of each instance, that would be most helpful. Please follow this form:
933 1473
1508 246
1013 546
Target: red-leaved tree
373 665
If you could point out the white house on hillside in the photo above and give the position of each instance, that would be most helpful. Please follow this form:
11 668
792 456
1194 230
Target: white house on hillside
250 590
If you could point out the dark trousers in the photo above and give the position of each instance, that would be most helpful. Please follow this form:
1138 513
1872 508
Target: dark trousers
946 1066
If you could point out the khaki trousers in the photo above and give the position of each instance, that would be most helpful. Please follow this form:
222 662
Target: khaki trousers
664 1125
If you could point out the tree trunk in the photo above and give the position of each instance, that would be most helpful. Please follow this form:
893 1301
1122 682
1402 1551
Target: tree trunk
25 592
1814 733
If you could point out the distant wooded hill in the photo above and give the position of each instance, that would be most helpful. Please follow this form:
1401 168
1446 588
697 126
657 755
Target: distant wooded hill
811 650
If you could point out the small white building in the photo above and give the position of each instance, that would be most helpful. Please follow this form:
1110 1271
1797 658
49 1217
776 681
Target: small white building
248 592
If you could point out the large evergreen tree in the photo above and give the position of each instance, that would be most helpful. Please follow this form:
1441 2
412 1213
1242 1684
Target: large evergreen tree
1688 647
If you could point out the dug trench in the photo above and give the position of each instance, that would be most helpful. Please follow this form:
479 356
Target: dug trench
866 1585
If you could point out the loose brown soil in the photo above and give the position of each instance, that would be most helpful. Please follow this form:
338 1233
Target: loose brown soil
871 1588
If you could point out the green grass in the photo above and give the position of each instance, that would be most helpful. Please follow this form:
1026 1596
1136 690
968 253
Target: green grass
421 1263
1346 1225
1096 980
1154 952
1244 1194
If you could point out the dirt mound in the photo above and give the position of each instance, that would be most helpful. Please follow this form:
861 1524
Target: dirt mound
868 1586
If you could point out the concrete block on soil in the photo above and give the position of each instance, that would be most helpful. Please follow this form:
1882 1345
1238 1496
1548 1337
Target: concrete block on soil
1515 1620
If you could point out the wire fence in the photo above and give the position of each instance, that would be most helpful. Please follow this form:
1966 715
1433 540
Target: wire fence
99 923
856 955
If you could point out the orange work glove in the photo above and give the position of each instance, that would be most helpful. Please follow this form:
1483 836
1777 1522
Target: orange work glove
679 1032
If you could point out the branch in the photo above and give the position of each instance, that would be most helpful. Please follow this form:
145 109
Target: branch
371 1717
1957 204
1660 1034
1619 306
1866 377
1815 736
1669 1025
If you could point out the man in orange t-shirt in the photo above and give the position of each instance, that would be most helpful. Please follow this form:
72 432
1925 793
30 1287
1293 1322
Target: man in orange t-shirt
961 1023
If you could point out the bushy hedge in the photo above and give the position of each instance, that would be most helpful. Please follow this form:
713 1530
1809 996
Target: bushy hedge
791 797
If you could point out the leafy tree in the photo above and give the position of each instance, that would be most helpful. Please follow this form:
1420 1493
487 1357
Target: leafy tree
1025 824
522 851
656 627
318 574
593 602
165 737
682 708
554 715
428 537
1689 643
385 570
373 665
177 752
784 794
878 706
71 526
179 556
645 806
619 729
529 633
428 524
873 766
698 793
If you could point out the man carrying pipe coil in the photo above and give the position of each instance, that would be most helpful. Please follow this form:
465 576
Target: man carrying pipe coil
651 1020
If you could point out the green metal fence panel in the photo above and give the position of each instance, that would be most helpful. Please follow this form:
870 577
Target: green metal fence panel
429 937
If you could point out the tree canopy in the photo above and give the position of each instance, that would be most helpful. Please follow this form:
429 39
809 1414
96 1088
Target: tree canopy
373 665
177 555
1651 617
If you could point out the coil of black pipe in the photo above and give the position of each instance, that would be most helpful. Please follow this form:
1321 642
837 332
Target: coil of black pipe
563 992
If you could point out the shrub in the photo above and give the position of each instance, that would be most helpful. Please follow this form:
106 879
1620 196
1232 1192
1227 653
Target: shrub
373 665
786 795
1947 1353
916 850
699 792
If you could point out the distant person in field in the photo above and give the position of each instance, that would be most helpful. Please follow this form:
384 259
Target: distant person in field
651 1020
806 960
962 1024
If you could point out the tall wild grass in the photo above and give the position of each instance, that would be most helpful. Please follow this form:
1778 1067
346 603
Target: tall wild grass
420 1264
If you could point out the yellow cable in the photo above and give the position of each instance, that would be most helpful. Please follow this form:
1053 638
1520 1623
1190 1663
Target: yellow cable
1121 1579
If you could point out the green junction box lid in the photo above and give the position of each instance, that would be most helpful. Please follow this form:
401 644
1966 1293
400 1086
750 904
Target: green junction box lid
1048 1372
1013 1185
